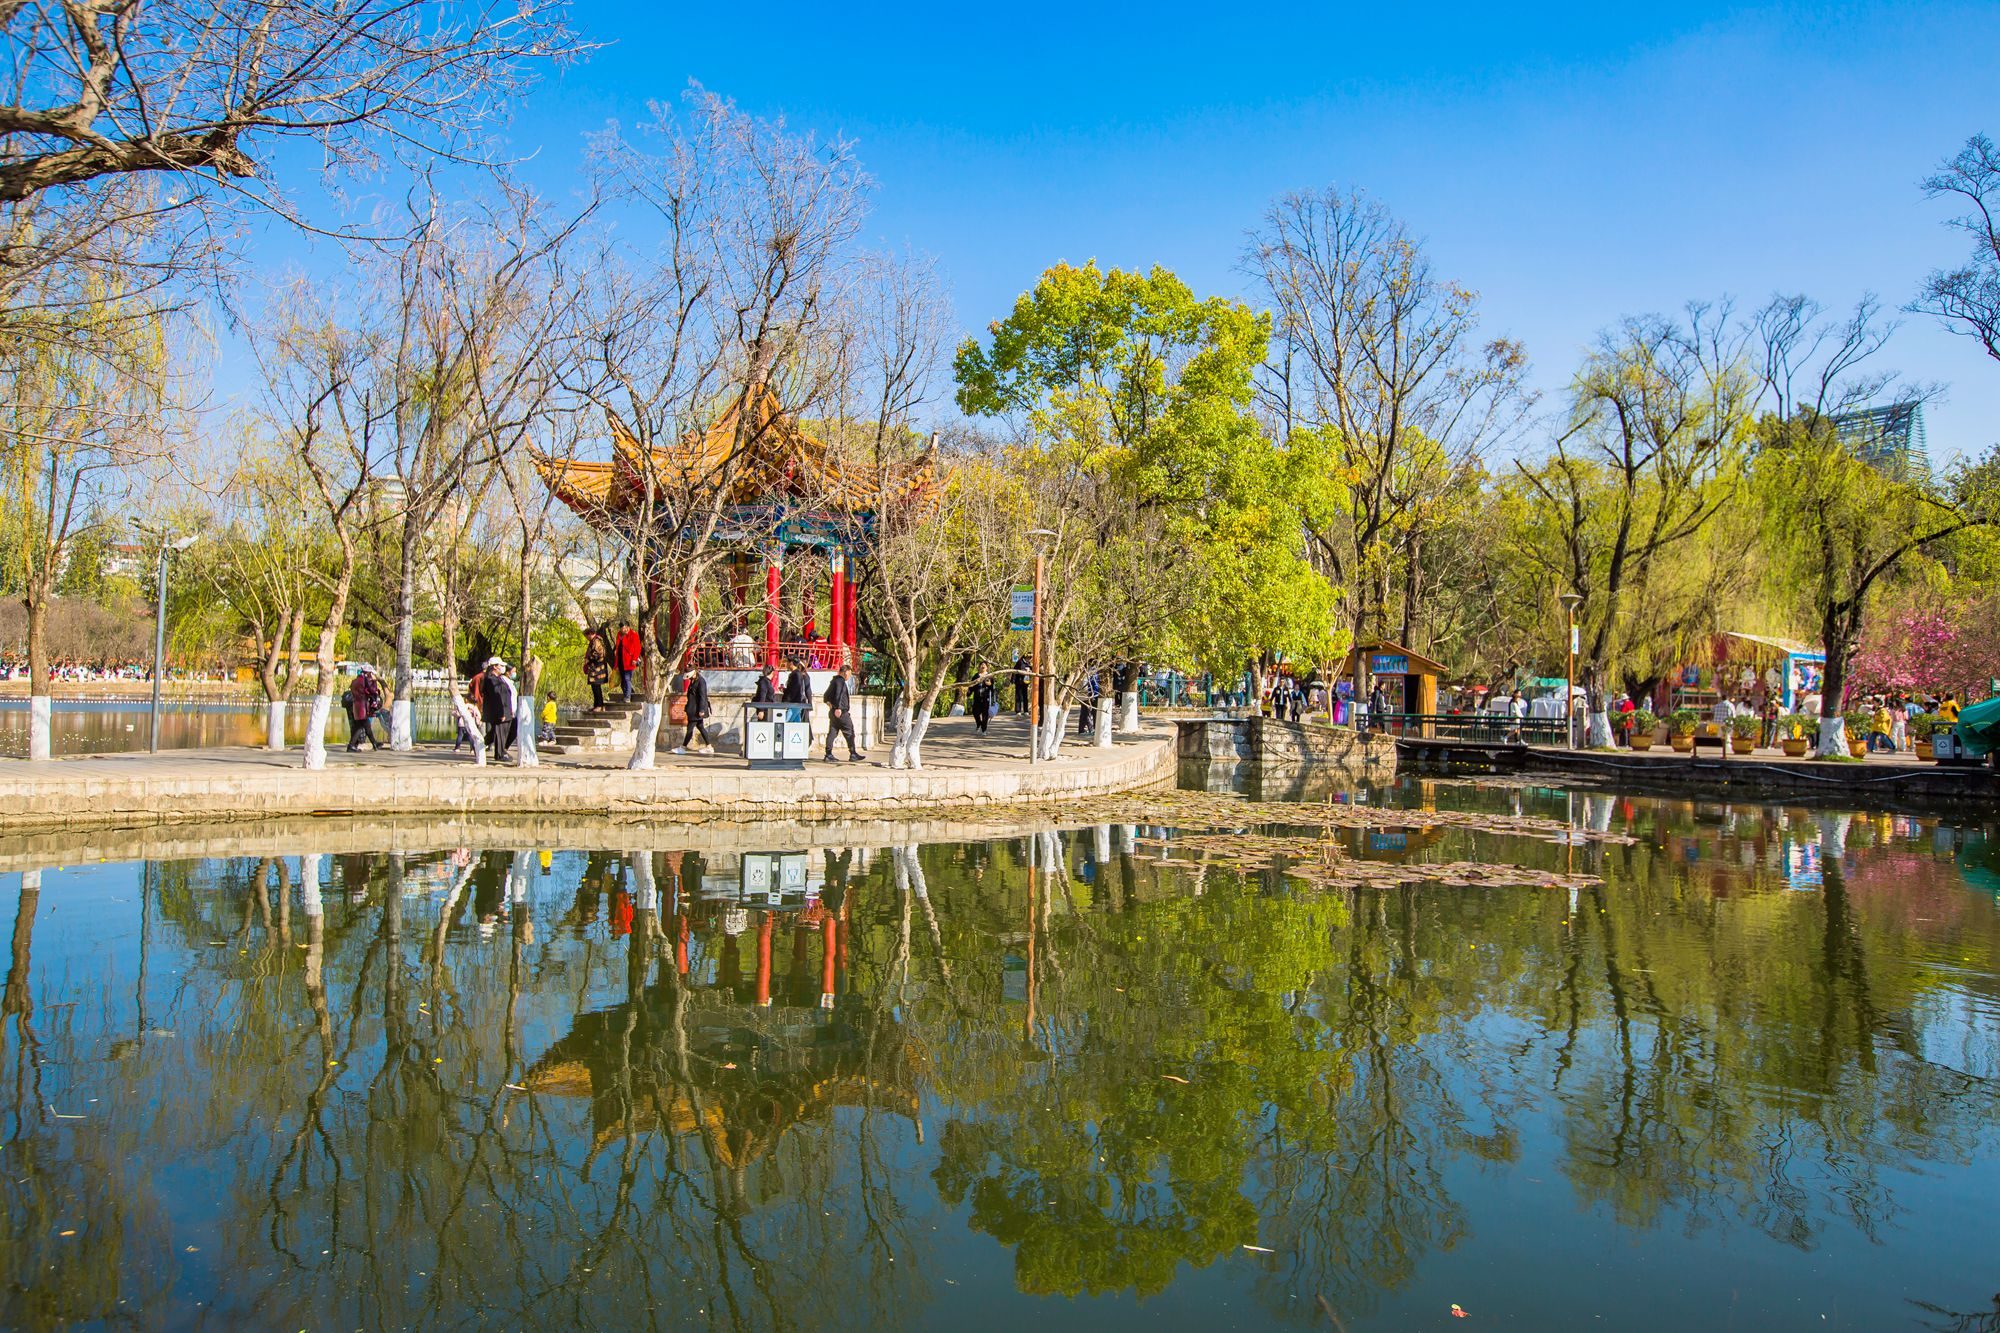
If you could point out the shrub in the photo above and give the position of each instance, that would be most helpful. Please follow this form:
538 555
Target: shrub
1683 721
1746 726
1644 721
1798 726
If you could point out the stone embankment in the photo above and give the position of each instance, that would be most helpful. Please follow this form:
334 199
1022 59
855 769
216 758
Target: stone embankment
963 772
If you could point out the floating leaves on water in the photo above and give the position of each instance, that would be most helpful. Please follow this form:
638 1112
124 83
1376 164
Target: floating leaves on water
1317 861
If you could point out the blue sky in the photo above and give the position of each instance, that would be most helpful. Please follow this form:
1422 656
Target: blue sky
1571 163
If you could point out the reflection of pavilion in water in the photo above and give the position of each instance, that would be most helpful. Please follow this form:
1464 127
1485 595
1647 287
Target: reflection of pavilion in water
734 1030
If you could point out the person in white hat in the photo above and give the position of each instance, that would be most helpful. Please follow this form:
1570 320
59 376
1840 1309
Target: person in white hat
496 707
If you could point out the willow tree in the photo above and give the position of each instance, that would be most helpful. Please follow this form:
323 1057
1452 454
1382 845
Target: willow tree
83 427
1648 457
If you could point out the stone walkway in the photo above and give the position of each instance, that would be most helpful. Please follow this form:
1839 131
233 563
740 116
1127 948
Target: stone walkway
961 770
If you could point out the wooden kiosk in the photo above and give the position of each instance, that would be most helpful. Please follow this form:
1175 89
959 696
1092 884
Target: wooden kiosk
1410 680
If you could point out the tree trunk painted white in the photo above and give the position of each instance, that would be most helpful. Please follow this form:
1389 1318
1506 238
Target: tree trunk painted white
645 888
402 724
1128 707
899 750
1101 845
1832 735
1102 738
274 725
402 736
473 728
309 899
41 727
645 736
524 732
919 727
1598 736
322 706
1055 725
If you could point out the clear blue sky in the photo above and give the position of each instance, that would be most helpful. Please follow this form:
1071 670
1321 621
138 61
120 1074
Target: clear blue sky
1572 164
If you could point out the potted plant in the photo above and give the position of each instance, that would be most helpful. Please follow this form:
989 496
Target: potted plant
1743 734
1680 728
1795 732
1858 721
1643 726
1921 730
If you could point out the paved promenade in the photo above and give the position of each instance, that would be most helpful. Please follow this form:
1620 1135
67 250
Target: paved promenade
962 770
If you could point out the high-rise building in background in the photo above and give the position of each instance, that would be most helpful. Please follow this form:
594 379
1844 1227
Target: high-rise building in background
1890 439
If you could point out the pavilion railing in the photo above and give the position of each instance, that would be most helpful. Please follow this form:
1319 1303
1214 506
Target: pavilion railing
818 655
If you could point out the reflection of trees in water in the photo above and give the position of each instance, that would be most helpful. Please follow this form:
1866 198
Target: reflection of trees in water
441 1088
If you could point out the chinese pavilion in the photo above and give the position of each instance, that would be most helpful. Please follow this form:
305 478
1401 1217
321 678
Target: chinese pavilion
789 493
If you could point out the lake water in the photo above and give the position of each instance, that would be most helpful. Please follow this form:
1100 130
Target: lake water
1742 1071
111 726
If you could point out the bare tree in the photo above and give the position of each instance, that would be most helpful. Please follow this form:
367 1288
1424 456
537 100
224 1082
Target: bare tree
327 408
1967 298
701 359
1383 359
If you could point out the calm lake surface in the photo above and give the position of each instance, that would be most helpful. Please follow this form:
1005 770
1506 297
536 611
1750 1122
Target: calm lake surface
1750 1080
112 726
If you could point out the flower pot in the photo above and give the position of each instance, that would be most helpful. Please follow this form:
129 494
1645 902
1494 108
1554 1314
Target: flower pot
1683 744
1924 750
1644 740
1859 749
1742 744
1795 746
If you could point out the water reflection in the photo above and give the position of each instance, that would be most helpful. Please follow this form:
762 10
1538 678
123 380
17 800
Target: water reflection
898 1086
112 726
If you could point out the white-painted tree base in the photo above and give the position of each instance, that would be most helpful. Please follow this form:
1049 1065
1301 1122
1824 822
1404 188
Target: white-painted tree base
525 755
402 725
41 727
1598 735
645 737
1128 708
322 707
274 724
1102 736
1832 736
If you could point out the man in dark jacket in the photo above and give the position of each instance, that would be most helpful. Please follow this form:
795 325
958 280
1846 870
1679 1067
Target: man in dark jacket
840 714
364 701
982 703
496 708
1020 684
697 711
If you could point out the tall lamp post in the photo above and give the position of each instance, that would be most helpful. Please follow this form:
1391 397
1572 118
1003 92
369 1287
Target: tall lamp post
1570 601
1042 538
160 626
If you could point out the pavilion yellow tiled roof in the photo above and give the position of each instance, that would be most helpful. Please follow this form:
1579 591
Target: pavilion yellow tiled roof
775 461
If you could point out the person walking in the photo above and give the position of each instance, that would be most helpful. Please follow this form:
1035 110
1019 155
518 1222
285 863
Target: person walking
1020 684
496 708
630 650
840 713
1378 708
1086 712
696 689
982 703
596 670
364 701
1899 724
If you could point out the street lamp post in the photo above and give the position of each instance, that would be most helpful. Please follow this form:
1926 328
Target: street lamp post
1042 537
160 628
1570 601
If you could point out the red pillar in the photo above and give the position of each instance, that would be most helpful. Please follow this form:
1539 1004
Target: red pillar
828 931
836 611
764 961
848 623
772 584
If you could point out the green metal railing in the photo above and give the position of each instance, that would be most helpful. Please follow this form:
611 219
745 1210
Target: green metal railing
1490 728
